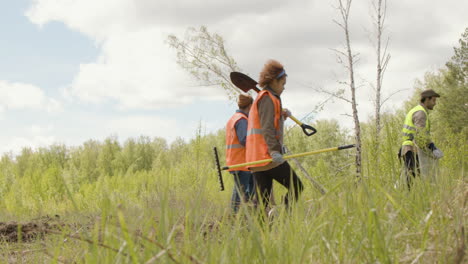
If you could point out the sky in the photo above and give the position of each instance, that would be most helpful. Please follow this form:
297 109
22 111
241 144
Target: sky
75 70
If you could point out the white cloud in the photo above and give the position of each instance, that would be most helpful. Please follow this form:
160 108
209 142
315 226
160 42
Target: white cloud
32 136
138 71
152 126
93 18
21 96
136 68
15 144
40 130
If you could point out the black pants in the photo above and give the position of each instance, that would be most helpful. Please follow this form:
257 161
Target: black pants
412 166
283 174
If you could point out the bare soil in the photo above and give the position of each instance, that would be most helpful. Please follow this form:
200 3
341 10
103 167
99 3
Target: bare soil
12 232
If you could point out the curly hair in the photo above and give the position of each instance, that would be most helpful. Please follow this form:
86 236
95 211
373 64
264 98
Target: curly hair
270 71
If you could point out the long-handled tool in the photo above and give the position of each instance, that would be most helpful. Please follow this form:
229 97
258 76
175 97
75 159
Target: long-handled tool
219 168
220 177
316 184
245 83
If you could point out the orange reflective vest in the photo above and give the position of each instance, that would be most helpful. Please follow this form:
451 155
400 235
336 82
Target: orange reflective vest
235 152
257 149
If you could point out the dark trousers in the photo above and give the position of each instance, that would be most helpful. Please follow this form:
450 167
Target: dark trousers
412 166
283 174
243 188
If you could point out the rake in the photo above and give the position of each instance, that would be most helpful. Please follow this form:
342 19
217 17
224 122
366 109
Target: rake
220 169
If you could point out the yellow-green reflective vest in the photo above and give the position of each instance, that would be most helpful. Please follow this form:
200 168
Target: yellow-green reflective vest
409 129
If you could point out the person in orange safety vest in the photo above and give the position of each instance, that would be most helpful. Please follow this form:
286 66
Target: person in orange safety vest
236 134
265 137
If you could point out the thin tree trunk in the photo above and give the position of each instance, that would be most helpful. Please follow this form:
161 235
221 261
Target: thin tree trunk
379 72
378 85
380 9
357 127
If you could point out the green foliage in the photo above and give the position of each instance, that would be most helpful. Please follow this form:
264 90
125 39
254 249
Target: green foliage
107 156
449 118
170 203
326 165
458 65
149 201
451 111
381 162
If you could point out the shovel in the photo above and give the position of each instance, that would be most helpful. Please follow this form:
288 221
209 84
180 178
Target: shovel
219 169
245 83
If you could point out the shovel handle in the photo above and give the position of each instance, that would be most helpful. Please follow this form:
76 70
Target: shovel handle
245 83
305 127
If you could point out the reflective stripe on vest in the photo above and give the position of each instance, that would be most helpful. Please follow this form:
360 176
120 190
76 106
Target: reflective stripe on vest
257 149
409 129
259 131
234 146
235 152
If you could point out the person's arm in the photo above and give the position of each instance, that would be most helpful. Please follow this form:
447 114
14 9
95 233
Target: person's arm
266 110
422 136
241 131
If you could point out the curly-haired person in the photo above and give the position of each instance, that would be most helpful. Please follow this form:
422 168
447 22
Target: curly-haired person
265 137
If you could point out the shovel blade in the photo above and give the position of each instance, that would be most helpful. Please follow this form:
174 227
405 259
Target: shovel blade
243 82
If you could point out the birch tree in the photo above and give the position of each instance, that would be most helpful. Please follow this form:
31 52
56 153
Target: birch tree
348 59
378 17
204 56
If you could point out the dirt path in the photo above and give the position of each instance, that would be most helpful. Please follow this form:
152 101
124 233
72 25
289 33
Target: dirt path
11 232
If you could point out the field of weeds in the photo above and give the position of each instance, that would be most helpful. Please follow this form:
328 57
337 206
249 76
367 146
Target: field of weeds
145 201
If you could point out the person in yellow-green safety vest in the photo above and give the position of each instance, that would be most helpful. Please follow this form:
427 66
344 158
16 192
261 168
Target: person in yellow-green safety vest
416 136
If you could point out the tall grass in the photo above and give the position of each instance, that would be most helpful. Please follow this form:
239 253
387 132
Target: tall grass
148 202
